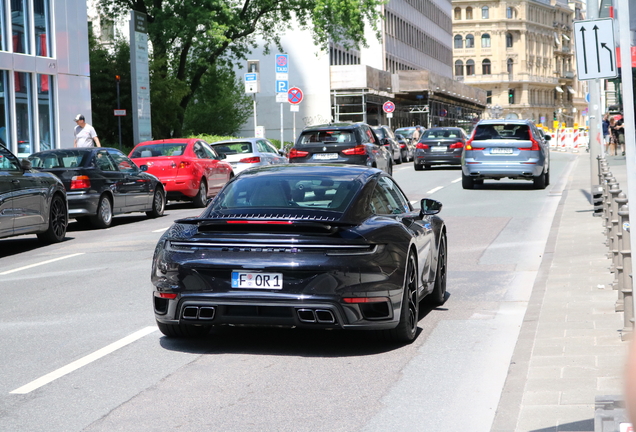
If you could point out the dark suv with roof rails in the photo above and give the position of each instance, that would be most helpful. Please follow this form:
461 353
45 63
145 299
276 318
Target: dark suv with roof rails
346 143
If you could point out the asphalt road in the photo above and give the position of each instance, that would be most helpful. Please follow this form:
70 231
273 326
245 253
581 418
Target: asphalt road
80 349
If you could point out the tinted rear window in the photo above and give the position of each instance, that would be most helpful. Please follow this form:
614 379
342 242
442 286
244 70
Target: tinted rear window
405 132
502 131
233 148
155 150
59 159
287 192
327 136
442 133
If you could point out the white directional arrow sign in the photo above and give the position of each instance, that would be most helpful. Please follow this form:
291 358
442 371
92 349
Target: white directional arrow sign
595 49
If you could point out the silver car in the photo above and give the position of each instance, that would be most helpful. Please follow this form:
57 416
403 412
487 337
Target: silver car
247 153
515 149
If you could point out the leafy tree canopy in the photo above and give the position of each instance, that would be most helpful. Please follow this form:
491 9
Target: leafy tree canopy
189 38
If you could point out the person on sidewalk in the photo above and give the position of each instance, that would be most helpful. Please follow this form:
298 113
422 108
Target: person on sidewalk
85 135
416 134
611 147
620 133
606 132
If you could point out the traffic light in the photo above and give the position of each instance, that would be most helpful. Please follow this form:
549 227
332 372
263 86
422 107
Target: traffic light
117 78
511 96
554 116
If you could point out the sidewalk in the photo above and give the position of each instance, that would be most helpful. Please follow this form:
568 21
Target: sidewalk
569 349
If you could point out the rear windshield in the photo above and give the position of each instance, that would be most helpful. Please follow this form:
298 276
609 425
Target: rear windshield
407 133
326 136
441 133
233 148
254 192
502 131
59 159
155 150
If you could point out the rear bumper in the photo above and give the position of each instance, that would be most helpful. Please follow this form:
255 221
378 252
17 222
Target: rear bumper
184 187
438 159
82 203
502 170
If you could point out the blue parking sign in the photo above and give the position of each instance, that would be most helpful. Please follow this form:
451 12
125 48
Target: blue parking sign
282 65
282 86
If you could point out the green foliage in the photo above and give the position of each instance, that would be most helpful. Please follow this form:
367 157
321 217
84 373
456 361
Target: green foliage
213 138
191 39
104 66
220 105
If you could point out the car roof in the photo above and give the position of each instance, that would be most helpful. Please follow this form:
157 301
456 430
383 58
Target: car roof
332 126
503 121
80 149
443 128
170 141
326 170
237 140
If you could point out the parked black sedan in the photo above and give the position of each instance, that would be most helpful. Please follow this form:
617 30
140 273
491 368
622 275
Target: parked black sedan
30 202
440 146
102 182
313 246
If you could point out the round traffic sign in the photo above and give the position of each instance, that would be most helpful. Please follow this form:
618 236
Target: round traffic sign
295 95
388 107
281 60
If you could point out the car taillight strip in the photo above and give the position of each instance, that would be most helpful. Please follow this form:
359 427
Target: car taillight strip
353 300
268 245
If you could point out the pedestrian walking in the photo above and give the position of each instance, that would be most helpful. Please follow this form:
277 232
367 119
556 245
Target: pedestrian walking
417 133
611 147
85 135
606 132
620 133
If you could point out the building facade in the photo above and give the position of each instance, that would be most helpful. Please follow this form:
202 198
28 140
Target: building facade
44 73
411 66
521 52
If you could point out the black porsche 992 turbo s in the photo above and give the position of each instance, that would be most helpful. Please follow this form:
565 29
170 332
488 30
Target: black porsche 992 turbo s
313 246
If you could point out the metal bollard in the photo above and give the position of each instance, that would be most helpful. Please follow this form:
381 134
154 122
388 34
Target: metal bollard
626 253
613 226
617 284
602 167
607 217
605 185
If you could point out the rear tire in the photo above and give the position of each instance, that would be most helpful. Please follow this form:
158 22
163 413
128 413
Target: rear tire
58 222
183 330
406 329
398 161
467 182
201 199
417 166
158 204
390 169
539 182
104 216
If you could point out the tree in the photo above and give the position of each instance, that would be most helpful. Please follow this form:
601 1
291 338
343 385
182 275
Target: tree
191 39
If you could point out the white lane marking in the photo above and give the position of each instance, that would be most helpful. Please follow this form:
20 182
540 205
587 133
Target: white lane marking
432 191
40 263
457 180
64 370
161 229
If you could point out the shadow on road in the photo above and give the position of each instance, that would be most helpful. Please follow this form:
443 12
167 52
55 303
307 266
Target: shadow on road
289 342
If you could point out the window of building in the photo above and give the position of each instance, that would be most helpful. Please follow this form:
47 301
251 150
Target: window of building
107 31
509 64
42 21
5 110
469 13
488 97
508 40
458 13
485 40
484 12
24 111
511 12
458 42
19 25
3 45
470 67
485 67
459 68
46 124
470 41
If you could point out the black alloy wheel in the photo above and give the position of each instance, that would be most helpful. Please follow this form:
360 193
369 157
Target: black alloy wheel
201 199
407 327
438 296
57 222
184 330
158 204
104 216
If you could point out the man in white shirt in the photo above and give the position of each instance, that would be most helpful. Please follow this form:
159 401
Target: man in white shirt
85 135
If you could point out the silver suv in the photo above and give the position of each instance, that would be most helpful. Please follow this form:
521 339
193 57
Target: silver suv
515 149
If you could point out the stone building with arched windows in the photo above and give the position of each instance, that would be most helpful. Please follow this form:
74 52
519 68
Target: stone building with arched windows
522 54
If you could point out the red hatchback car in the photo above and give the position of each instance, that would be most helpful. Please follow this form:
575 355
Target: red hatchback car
189 168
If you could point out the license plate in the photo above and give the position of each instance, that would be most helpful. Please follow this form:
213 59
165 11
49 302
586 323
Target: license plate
257 280
501 151
326 156
438 149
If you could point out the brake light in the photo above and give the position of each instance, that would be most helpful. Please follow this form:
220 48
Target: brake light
421 146
170 296
293 153
270 222
535 145
357 150
80 182
456 145
253 159
402 145
470 147
365 299
184 164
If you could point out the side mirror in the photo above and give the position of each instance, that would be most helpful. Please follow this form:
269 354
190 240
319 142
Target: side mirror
143 167
430 207
26 164
547 137
282 152
222 156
